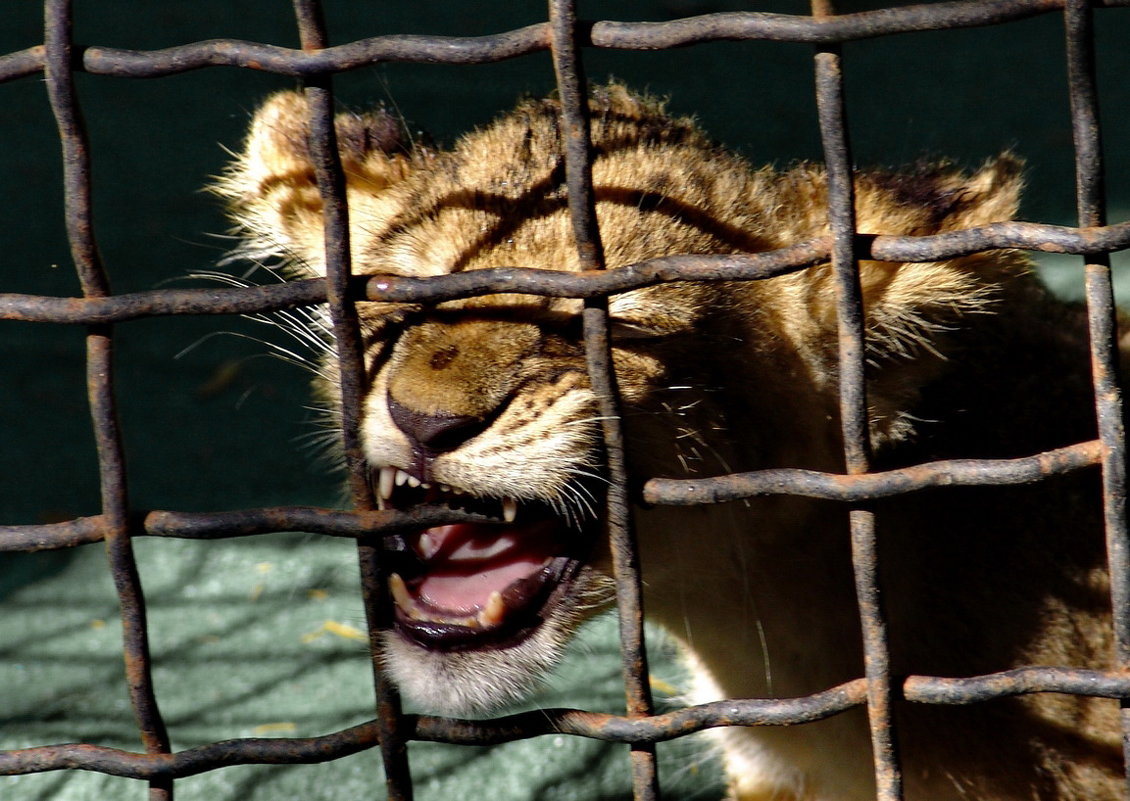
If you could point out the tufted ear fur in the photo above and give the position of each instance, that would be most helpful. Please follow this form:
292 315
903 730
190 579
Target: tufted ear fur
272 188
914 311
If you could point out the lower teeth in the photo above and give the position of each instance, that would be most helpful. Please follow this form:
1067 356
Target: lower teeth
488 617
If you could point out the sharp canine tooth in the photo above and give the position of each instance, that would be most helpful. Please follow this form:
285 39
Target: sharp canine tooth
385 482
493 612
509 509
426 545
399 591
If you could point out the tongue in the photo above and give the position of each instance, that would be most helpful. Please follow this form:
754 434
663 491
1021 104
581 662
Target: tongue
465 563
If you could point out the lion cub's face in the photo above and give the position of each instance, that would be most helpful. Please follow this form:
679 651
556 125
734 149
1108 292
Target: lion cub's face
482 404
485 404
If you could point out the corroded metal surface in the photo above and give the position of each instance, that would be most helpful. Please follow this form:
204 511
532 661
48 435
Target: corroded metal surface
609 728
853 407
1103 326
872 486
733 26
531 280
95 283
351 384
572 88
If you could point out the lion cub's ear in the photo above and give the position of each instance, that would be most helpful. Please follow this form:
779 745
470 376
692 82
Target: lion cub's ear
991 194
915 311
272 187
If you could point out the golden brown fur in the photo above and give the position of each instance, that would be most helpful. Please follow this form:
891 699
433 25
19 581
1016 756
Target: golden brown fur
967 358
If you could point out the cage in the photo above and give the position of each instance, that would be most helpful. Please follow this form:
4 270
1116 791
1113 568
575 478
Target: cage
65 328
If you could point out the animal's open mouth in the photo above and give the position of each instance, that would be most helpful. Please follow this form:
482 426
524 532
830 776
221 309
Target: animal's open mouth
465 586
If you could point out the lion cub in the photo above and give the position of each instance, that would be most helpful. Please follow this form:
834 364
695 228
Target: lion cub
484 404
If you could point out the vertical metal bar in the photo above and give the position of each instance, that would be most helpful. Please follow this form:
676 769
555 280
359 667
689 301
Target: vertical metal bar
350 354
853 408
58 29
569 70
1103 327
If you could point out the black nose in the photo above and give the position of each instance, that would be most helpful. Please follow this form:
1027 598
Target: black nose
435 433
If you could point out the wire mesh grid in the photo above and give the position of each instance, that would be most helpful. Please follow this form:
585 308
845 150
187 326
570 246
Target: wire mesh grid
59 58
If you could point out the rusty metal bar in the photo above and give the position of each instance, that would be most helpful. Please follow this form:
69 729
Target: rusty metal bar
849 295
241 523
651 729
1103 328
659 491
335 219
351 377
279 750
58 48
854 413
61 92
1019 681
745 267
331 522
52 536
872 486
732 26
135 305
577 144
609 728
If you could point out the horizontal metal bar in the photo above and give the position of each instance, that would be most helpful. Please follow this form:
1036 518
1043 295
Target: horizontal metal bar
53 536
594 283
650 729
158 302
533 281
240 523
609 728
659 491
1037 237
125 63
190 762
732 26
869 486
1019 681
675 492
745 26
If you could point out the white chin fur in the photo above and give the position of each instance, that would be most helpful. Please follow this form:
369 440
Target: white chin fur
470 682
